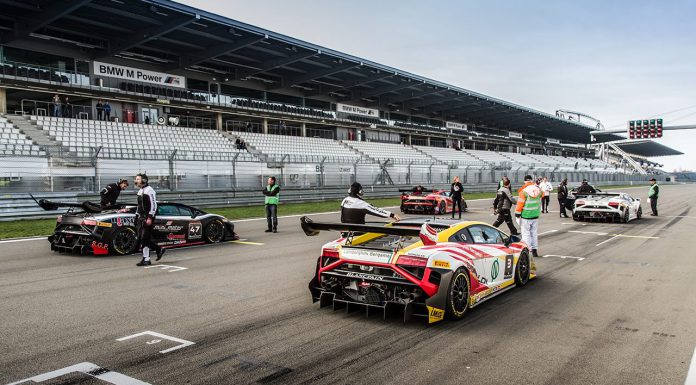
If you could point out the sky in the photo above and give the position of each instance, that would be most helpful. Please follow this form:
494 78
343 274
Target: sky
613 60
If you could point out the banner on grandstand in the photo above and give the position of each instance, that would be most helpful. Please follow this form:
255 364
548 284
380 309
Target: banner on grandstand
515 135
138 75
455 126
354 110
553 141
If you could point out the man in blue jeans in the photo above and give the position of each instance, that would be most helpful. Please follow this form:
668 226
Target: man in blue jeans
271 192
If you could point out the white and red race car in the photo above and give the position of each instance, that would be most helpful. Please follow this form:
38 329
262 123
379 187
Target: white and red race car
430 268
605 206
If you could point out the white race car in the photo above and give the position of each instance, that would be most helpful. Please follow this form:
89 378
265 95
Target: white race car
605 206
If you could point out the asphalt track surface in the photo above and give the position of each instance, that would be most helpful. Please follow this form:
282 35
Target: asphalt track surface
625 314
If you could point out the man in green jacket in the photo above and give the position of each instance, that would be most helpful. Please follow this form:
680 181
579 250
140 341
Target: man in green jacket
653 194
272 193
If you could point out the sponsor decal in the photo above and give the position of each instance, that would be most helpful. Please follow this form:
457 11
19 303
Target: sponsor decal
435 314
170 228
456 126
509 260
442 264
494 270
135 74
355 110
176 236
195 230
100 248
366 255
365 276
125 221
104 224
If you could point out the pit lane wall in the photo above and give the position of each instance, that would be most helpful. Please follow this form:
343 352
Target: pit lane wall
224 183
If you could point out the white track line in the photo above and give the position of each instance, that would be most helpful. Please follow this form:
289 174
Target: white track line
691 375
546 232
23 239
603 242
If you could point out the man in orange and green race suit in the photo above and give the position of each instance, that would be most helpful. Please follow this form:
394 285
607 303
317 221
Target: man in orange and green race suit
527 212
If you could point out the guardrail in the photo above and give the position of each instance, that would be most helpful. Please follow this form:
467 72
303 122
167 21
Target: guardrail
22 206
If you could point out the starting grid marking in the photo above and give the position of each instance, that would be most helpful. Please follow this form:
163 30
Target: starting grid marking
159 337
170 268
89 369
613 236
563 257
691 375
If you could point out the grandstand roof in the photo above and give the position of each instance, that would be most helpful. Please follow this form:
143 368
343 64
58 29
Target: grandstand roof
176 37
647 148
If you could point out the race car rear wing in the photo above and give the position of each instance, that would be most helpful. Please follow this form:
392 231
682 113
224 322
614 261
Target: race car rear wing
312 228
87 206
599 193
410 190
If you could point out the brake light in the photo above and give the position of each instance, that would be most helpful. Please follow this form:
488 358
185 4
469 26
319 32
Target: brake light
331 253
409 260
614 204
89 222
579 203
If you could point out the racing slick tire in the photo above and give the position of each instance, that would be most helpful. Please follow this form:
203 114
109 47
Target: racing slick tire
523 269
124 241
214 232
443 208
625 216
639 214
458 295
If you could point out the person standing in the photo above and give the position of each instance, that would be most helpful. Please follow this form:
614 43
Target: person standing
354 208
110 193
503 203
145 214
67 108
653 194
272 192
562 197
456 195
107 110
546 189
57 110
527 212
100 110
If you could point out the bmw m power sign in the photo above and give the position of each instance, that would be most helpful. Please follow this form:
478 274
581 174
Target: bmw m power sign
138 75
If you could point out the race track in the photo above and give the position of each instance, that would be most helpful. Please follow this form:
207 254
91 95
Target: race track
606 309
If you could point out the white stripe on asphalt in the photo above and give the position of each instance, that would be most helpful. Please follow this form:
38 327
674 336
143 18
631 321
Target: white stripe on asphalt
603 242
691 375
23 239
547 232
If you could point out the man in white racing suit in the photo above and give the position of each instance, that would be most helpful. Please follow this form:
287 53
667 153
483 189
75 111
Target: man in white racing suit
145 214
354 208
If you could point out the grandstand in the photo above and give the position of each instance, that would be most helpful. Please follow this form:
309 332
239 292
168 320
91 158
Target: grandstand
186 84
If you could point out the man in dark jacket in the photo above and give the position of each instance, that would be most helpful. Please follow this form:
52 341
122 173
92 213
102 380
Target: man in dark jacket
145 214
502 203
562 197
653 194
109 194
586 188
456 195
354 208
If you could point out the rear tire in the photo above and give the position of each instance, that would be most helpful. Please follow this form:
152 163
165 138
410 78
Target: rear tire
214 232
639 214
443 208
523 269
124 241
625 217
458 295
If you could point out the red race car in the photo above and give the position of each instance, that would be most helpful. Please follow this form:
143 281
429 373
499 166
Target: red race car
420 201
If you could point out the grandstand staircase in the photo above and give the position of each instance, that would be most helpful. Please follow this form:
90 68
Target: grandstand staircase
474 156
250 149
628 158
33 132
362 154
434 159
50 144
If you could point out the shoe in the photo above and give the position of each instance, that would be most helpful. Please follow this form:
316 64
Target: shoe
653 215
275 230
144 263
160 253
268 231
535 254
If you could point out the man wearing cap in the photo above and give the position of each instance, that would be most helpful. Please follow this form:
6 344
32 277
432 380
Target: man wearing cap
109 194
653 194
354 208
527 212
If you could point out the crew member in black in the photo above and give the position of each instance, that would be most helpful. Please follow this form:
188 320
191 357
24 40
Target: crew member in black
418 190
354 208
145 214
109 194
456 195
502 203
562 197
586 188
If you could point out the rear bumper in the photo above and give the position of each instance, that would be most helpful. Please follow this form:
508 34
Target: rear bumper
77 242
596 214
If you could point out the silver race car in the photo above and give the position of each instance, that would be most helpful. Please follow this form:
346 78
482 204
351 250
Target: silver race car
605 206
